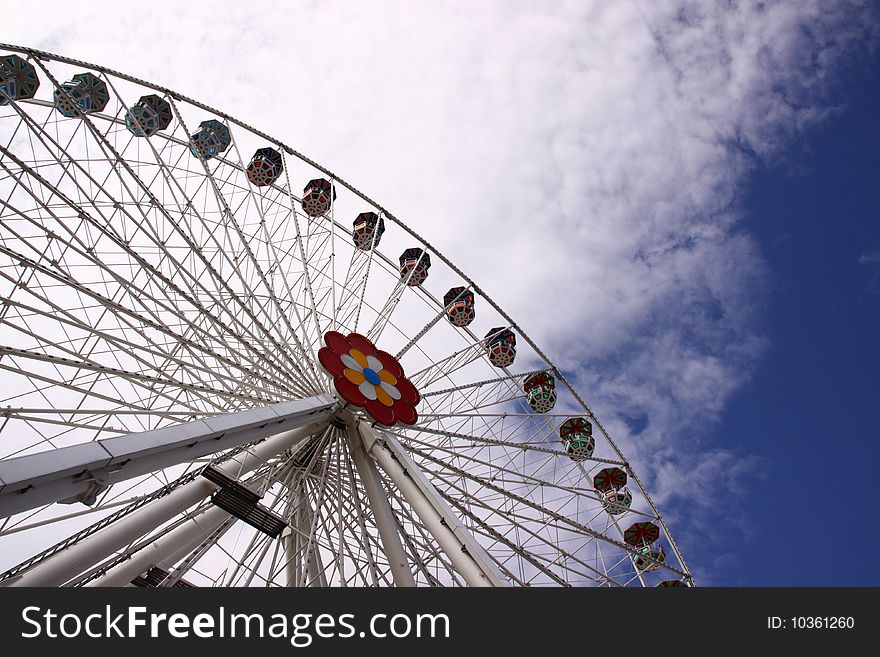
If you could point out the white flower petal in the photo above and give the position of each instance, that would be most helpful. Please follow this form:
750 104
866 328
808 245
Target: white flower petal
393 392
368 390
351 363
375 364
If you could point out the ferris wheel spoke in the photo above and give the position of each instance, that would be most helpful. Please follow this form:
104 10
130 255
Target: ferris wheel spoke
500 442
477 407
340 533
433 322
60 383
322 571
94 428
506 379
362 562
363 552
531 432
153 200
320 265
113 346
521 479
115 306
518 524
381 261
525 478
230 218
257 550
357 498
333 307
303 351
322 280
352 290
400 287
309 293
133 377
241 569
552 460
275 474
422 547
335 568
313 570
487 530
446 366
547 515
355 286
518 479
66 318
20 526
121 243
456 400
513 521
299 554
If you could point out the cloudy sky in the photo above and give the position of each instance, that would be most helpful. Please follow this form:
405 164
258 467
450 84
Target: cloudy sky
592 165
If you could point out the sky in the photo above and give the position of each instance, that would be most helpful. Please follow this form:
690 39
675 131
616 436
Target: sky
676 199
815 391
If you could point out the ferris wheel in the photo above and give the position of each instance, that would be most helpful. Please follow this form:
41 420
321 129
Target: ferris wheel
223 365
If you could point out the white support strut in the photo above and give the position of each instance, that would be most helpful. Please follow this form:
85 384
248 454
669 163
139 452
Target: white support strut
382 512
172 547
79 472
469 557
65 565
304 518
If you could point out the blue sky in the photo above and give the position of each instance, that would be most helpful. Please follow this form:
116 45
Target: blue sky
704 175
810 409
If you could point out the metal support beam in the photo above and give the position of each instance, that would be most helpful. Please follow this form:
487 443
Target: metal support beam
169 549
304 517
290 542
384 516
469 557
295 541
93 549
79 472
172 547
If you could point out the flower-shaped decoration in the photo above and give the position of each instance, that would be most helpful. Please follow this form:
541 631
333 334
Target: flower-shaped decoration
370 378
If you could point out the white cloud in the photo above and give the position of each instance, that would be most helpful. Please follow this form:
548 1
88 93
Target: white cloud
581 161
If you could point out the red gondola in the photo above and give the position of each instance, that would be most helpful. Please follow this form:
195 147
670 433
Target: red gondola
459 303
414 265
501 347
318 194
265 167
368 229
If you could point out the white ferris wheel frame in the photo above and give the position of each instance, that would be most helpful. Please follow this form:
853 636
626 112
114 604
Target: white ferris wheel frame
242 444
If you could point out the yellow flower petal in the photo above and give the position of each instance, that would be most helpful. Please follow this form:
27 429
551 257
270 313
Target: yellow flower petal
384 397
355 377
359 357
388 377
